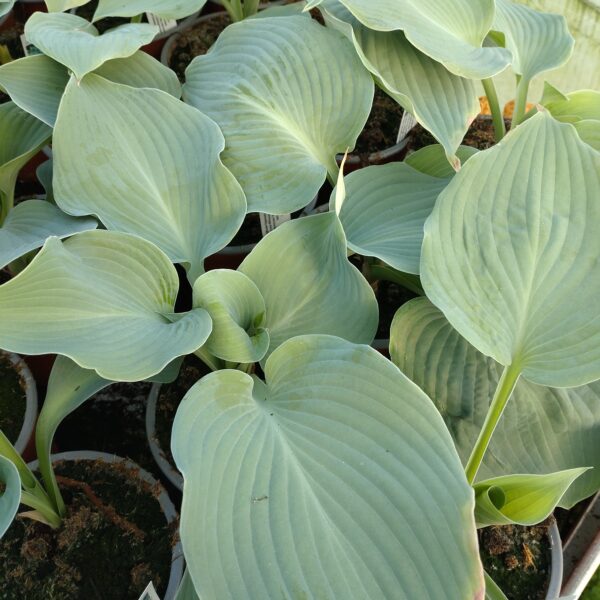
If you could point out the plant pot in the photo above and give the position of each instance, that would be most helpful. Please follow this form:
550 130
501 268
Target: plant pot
94 519
582 548
112 420
379 142
164 464
168 48
211 12
24 442
162 405
515 551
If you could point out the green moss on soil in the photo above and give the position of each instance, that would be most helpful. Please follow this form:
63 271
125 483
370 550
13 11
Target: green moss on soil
13 400
95 554
518 559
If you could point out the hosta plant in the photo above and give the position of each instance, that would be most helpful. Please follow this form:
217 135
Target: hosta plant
313 465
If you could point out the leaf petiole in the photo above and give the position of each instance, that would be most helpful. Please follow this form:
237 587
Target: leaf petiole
504 391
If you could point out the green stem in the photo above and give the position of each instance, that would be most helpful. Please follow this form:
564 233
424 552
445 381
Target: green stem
385 273
520 102
5 56
137 18
250 7
234 8
43 508
212 362
33 494
5 206
505 388
497 117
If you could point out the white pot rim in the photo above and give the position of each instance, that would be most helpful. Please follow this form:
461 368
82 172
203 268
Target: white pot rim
31 399
158 454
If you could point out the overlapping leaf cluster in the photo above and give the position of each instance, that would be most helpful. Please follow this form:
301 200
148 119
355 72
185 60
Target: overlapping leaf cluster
336 473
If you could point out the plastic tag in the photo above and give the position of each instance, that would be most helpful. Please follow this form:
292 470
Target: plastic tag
407 123
149 593
28 47
270 222
162 24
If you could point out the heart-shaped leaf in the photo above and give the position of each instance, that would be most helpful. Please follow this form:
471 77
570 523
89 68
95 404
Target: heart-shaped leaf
443 103
311 287
515 271
289 95
237 310
11 496
338 468
521 499
21 137
385 210
166 182
450 32
167 9
76 43
113 288
36 83
30 223
538 41
542 429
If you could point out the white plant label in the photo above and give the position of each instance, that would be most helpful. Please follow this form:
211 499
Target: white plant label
28 47
270 222
406 124
162 24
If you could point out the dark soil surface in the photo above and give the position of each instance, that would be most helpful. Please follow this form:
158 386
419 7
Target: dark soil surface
249 233
11 39
113 421
196 41
518 559
390 297
170 397
113 541
381 129
480 135
13 400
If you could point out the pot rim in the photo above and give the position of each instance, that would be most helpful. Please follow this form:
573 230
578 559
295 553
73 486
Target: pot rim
167 49
166 505
31 401
556 558
164 465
